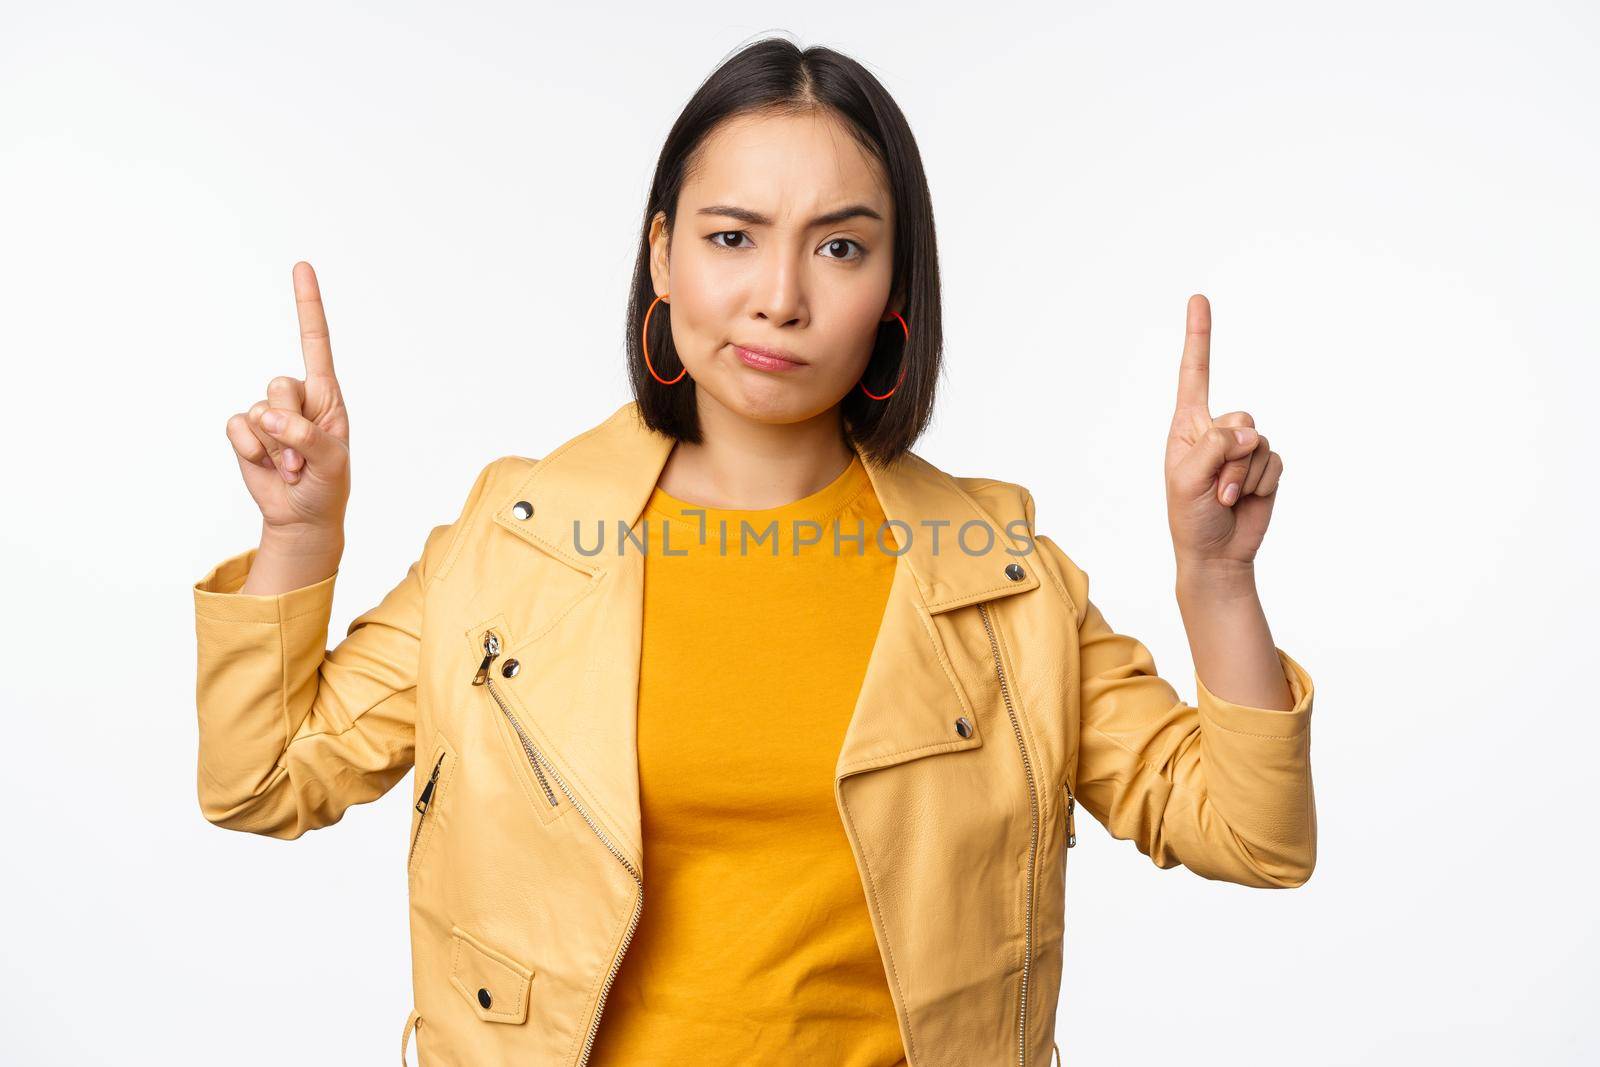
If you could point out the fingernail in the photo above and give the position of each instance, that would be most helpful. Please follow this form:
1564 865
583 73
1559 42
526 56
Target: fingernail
291 459
1230 494
1244 436
272 420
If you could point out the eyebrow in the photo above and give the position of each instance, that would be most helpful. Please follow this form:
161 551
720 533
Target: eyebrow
755 218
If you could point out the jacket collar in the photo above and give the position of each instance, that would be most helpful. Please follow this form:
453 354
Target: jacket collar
608 472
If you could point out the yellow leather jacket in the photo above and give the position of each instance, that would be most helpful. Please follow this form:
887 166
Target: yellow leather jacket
505 666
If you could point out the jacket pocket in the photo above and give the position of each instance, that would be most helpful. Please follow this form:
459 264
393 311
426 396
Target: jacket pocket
439 769
494 984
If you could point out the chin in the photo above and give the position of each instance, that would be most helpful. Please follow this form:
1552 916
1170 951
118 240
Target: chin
772 401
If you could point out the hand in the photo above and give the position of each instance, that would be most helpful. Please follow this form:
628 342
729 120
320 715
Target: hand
1220 488
294 446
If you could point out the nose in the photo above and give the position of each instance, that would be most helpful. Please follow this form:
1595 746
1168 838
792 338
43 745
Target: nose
779 290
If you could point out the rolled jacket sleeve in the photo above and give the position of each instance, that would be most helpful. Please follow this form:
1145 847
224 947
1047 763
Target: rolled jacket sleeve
217 596
1222 788
291 733
1258 774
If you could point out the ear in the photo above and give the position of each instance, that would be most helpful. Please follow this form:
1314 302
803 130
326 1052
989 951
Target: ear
659 273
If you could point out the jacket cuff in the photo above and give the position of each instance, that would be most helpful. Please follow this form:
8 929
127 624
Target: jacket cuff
1263 722
217 596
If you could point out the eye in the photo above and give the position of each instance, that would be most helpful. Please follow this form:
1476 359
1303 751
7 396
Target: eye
713 238
845 241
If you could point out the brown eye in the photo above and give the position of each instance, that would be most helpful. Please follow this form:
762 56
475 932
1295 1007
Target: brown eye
716 238
846 243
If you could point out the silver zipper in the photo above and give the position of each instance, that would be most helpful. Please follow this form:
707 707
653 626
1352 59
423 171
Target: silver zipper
491 647
422 806
1033 835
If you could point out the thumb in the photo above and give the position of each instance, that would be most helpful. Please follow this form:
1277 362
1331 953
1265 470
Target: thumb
1198 470
324 453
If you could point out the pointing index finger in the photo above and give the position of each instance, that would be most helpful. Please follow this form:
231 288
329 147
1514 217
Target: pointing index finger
313 322
1194 376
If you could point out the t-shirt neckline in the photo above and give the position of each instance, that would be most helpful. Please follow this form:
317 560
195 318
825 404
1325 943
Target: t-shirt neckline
818 506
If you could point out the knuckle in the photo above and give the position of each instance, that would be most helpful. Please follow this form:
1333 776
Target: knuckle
239 435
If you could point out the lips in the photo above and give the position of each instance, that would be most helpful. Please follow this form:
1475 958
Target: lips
771 353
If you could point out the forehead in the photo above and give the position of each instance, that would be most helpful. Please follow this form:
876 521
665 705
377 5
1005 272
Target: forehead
785 165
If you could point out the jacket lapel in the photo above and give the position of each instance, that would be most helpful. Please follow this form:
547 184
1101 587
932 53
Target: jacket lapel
952 555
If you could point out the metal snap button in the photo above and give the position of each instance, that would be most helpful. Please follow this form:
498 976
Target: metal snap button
510 668
483 998
1014 571
522 509
964 726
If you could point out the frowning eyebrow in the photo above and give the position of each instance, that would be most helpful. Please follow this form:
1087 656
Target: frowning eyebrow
755 218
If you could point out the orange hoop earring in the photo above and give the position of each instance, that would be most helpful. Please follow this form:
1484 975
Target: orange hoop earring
644 335
890 393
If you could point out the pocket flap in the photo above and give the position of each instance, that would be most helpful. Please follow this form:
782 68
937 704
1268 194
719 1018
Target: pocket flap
494 984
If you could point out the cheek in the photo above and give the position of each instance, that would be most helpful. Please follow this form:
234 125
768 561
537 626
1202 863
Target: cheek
864 305
702 289
703 303
857 310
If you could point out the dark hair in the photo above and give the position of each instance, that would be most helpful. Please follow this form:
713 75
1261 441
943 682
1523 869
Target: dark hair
774 75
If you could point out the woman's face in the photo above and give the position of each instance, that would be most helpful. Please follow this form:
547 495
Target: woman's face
781 241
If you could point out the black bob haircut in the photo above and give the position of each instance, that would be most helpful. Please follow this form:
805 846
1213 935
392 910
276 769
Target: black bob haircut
774 75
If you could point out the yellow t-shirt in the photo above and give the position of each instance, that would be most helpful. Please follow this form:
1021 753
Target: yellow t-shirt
754 945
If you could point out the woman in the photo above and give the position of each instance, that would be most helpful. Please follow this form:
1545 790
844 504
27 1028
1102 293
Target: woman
838 703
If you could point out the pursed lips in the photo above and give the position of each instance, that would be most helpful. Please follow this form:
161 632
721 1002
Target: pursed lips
759 355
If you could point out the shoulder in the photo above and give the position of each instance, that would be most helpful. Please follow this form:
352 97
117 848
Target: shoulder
499 475
494 479
1000 497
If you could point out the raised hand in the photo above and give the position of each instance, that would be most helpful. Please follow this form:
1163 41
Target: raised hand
1221 476
294 446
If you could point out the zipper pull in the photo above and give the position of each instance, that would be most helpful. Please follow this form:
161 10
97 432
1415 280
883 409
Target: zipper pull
1072 833
427 790
491 649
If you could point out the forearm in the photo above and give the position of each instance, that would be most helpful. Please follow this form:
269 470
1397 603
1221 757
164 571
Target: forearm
1232 646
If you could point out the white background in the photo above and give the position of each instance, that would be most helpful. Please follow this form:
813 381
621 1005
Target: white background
1391 207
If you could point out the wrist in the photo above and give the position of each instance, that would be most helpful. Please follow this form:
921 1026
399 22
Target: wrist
303 541
293 559
1215 579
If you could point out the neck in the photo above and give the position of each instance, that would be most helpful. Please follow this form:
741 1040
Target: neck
742 463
